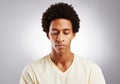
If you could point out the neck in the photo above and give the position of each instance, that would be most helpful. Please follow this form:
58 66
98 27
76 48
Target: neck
62 58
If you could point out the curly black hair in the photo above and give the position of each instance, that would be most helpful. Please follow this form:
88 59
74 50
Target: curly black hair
60 10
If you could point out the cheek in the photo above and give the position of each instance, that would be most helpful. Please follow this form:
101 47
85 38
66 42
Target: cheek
52 39
69 39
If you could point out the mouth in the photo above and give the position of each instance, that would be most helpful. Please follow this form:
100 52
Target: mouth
60 46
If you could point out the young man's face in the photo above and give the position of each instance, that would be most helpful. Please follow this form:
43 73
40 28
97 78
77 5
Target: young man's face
60 35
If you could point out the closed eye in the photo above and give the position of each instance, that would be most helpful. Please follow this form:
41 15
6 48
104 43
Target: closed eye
54 32
66 31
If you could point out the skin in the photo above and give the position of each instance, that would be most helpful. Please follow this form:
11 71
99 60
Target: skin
61 34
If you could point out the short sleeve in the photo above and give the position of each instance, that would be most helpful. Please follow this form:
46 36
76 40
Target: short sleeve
27 75
96 75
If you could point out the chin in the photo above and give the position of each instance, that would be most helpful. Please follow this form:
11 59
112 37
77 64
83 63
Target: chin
61 51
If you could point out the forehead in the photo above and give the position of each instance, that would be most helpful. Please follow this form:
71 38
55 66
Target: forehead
61 24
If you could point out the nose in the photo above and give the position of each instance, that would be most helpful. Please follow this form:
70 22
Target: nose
60 37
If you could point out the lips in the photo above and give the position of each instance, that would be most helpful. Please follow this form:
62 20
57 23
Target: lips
60 46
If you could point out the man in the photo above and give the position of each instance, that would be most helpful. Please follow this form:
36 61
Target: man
60 23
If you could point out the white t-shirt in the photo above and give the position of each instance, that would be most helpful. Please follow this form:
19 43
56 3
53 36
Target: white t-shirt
44 71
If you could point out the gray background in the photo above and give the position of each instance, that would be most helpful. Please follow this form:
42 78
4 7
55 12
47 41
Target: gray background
22 40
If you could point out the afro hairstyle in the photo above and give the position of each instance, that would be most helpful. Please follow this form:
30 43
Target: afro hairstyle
60 10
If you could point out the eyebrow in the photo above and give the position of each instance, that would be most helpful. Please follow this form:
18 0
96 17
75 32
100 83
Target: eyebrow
63 29
54 29
66 29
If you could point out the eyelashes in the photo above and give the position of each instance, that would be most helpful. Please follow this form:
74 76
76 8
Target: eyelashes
55 32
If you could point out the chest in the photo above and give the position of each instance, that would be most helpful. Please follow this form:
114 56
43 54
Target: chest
52 75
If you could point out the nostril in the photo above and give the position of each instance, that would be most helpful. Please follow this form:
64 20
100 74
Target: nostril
60 38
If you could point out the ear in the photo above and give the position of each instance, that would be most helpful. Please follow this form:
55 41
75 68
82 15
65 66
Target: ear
47 35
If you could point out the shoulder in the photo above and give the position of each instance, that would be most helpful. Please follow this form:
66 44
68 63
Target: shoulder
92 70
40 63
86 63
31 70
